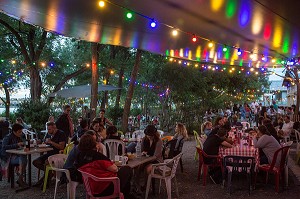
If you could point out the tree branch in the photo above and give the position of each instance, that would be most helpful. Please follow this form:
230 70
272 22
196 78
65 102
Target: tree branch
19 39
41 45
30 39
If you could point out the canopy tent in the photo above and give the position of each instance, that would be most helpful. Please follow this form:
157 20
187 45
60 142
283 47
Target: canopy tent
81 91
267 29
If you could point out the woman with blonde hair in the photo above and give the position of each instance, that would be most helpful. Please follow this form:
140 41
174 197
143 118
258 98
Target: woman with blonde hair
180 134
206 128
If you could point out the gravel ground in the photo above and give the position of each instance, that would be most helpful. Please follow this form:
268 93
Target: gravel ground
188 185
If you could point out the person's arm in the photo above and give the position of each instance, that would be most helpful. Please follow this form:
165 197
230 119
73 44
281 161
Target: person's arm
59 146
259 142
226 144
108 122
6 145
113 168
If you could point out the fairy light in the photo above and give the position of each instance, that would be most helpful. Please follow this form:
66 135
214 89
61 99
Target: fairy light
194 38
101 4
210 44
153 24
175 32
129 15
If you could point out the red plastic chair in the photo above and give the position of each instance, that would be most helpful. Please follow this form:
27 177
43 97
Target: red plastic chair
217 163
279 155
90 192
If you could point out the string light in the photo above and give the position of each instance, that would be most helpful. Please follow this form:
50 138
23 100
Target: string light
194 38
153 24
175 32
239 51
210 44
129 15
224 49
101 4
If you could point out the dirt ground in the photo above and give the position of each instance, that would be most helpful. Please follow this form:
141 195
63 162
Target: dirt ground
188 185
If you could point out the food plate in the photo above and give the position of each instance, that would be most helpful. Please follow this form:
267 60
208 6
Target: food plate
43 145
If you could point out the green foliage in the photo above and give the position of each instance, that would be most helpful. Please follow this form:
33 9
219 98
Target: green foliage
115 114
135 111
34 113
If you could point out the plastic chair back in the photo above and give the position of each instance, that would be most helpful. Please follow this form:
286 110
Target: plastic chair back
68 148
29 134
197 139
87 178
175 161
113 146
245 124
279 159
167 138
241 164
57 160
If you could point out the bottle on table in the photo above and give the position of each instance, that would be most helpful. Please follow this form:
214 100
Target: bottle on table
138 149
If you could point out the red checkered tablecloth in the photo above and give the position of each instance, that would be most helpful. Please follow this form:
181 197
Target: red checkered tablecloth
239 150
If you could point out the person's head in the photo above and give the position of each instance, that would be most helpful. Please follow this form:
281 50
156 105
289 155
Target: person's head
262 130
102 113
19 120
207 125
51 127
17 129
84 124
222 132
67 109
219 121
151 132
87 142
95 125
287 119
92 133
51 118
181 130
79 119
266 121
225 118
112 130
264 109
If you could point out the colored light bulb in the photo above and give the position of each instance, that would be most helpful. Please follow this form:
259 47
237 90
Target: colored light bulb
129 15
194 38
153 24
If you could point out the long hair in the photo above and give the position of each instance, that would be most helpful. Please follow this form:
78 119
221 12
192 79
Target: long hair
181 130
87 143
263 129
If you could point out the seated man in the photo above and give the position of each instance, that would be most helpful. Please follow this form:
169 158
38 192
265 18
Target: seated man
57 141
14 141
211 147
112 133
235 122
287 127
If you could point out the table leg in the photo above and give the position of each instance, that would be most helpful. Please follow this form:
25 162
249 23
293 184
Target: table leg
29 170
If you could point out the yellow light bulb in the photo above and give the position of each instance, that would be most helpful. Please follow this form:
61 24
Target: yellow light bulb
174 32
101 4
210 44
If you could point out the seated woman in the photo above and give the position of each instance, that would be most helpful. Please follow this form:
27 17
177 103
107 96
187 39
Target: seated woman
211 147
206 128
267 143
152 145
95 163
180 133
99 129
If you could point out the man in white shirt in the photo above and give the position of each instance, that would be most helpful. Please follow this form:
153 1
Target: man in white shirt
287 126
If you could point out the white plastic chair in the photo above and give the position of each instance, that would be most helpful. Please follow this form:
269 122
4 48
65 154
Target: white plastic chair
29 134
246 125
57 162
161 133
89 192
297 134
165 173
286 168
113 147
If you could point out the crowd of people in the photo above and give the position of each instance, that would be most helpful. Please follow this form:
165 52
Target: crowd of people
271 127
89 152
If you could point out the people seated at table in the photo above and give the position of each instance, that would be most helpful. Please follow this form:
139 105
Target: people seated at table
83 128
235 122
15 140
112 133
271 129
211 147
206 128
57 140
95 163
71 160
287 127
267 143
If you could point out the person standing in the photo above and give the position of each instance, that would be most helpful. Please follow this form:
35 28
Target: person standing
102 119
64 122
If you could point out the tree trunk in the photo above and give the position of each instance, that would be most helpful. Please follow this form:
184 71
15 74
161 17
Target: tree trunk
95 77
120 85
35 83
6 101
131 90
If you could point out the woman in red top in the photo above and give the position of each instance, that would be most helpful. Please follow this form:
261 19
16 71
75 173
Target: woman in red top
97 164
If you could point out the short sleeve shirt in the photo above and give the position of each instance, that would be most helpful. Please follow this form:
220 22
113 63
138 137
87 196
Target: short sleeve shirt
212 144
57 138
